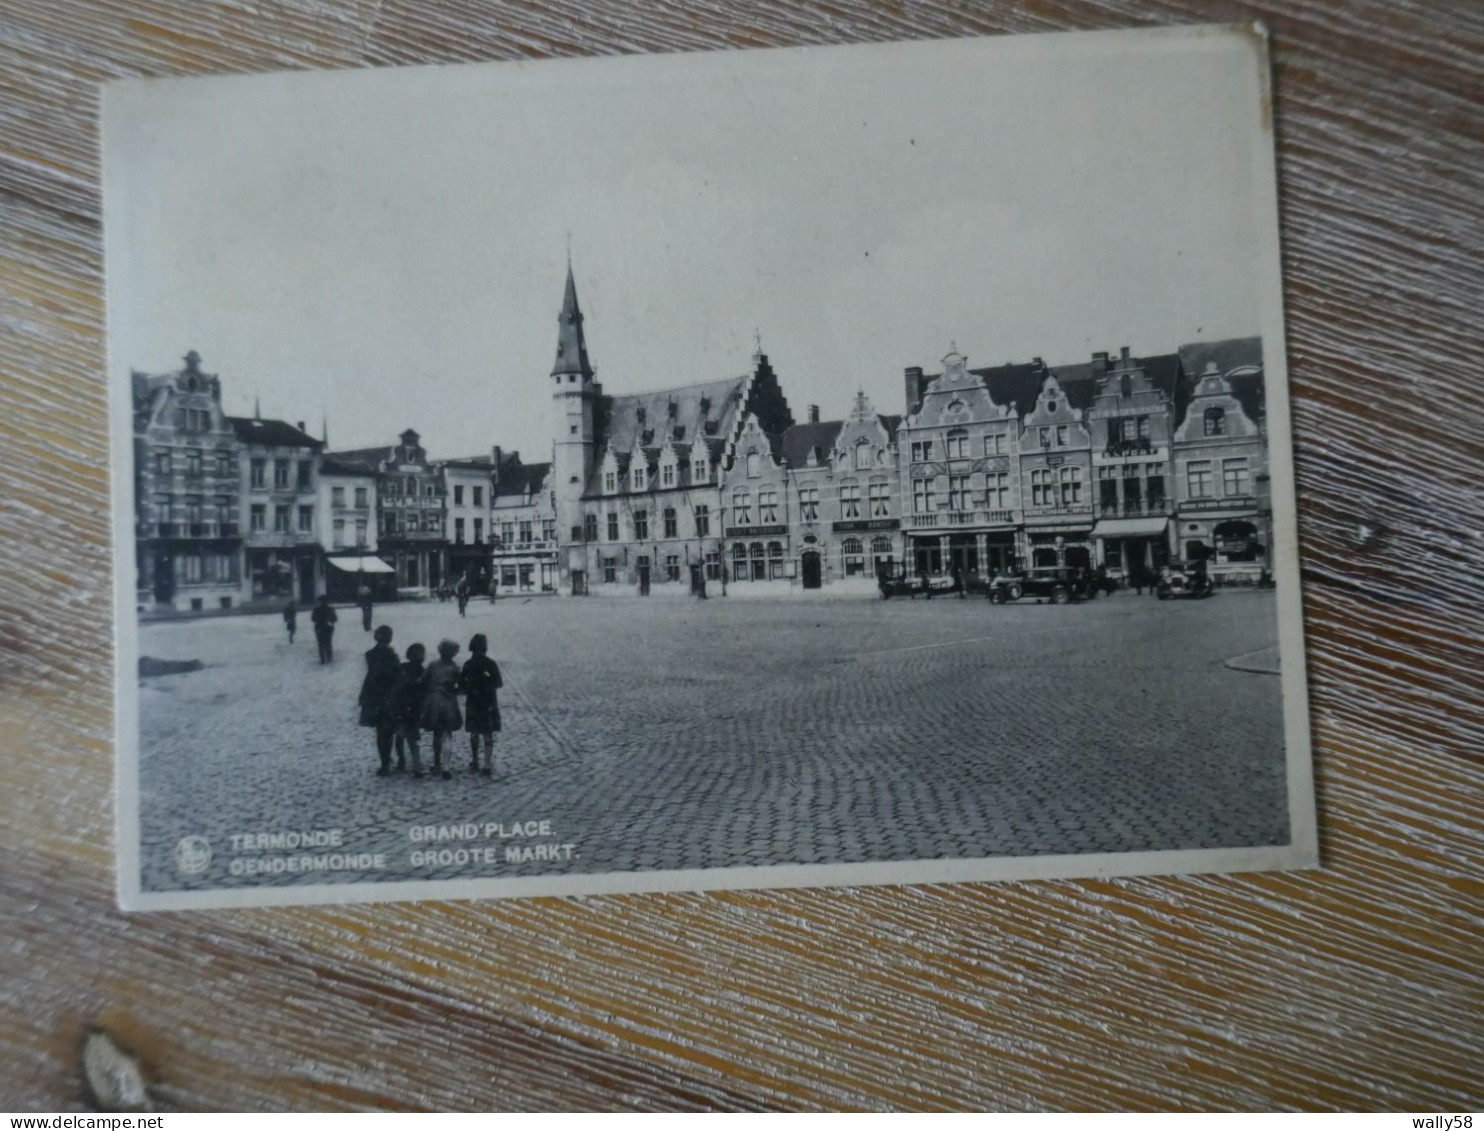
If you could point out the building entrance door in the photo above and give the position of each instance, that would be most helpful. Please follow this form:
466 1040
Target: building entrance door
964 554
306 581
579 583
809 566
644 579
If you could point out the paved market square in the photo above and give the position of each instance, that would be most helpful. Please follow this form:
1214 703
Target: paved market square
669 734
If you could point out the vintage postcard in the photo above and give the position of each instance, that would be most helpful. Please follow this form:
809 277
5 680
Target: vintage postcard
751 469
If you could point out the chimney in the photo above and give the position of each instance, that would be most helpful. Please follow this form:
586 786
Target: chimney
814 414
301 426
1100 363
497 454
913 382
1123 353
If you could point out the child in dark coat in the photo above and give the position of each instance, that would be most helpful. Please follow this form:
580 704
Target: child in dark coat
481 681
405 708
441 704
382 670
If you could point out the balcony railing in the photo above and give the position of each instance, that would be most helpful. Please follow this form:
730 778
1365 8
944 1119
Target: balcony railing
1136 509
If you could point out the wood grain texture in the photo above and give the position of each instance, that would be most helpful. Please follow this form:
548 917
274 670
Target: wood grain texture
1358 986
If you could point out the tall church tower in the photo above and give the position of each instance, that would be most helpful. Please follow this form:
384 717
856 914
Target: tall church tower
574 399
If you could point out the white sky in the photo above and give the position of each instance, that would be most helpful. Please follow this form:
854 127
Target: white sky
388 246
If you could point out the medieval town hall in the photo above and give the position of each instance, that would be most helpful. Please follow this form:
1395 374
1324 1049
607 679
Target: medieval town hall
1121 462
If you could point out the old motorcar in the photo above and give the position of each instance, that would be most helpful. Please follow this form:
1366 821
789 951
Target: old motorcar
1056 584
1181 579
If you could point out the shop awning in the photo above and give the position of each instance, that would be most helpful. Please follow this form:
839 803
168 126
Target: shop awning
1130 527
360 565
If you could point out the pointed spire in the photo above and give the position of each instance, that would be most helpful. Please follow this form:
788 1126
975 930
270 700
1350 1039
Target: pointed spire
571 355
324 429
257 408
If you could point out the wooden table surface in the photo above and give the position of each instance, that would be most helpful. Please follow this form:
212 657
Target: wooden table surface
1358 986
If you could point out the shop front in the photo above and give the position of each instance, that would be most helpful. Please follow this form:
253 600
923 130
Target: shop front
347 573
1060 546
1131 549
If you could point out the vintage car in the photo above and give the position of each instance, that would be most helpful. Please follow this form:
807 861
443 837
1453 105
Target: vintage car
900 586
1056 584
1179 579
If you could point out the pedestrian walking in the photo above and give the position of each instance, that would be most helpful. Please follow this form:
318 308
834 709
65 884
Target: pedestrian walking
405 708
324 629
461 591
363 599
481 682
441 703
382 669
291 618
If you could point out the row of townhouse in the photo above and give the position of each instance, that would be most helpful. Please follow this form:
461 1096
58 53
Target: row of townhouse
1120 462
230 510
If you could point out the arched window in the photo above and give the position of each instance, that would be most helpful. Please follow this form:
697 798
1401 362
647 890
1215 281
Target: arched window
739 562
1215 422
851 546
754 464
880 546
863 455
958 444
882 559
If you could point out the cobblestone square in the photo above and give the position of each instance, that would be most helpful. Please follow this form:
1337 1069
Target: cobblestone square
670 734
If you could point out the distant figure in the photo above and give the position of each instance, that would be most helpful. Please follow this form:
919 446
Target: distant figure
481 682
405 707
461 591
324 628
382 668
958 581
291 618
441 703
363 599
494 585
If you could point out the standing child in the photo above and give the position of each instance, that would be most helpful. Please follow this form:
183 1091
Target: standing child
441 704
382 671
291 618
405 708
481 680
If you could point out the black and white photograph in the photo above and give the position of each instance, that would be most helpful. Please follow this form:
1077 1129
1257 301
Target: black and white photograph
795 467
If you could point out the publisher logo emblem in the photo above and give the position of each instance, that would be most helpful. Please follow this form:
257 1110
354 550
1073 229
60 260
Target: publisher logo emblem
192 855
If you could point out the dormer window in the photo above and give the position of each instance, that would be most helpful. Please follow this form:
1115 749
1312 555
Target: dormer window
1215 420
754 464
610 481
638 477
667 475
700 472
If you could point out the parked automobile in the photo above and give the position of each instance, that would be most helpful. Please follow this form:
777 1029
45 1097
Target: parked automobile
1056 584
929 587
1181 579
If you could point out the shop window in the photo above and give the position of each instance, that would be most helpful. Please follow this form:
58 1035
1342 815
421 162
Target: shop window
775 560
739 562
852 554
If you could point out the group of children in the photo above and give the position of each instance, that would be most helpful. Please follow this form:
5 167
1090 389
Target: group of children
402 698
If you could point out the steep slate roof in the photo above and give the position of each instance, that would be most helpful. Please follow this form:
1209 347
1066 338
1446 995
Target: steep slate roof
1228 354
617 422
890 421
517 478
802 439
370 458
277 433
337 465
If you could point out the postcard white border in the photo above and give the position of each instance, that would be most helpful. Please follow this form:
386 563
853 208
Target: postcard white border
1302 851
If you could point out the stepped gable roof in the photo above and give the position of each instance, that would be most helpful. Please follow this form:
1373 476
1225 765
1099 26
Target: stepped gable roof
273 433
802 439
645 419
516 478
1228 354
